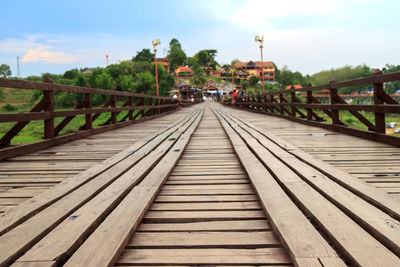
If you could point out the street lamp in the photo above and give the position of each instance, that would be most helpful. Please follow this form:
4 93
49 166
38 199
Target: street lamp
232 71
157 42
261 41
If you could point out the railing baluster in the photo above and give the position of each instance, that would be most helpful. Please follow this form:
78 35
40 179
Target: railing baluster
48 97
334 100
380 126
309 101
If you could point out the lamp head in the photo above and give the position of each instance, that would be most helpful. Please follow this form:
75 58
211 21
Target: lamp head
155 43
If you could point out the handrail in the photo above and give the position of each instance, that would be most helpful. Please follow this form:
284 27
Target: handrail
146 106
287 104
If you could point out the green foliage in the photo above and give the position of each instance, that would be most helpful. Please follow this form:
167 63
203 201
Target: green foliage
207 58
287 77
254 80
125 83
176 55
146 82
80 80
71 74
245 84
10 108
144 55
5 70
392 86
104 81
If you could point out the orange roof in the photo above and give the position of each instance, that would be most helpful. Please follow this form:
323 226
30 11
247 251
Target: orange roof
183 69
268 64
163 63
296 86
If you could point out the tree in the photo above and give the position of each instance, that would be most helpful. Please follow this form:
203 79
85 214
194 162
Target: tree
254 80
144 55
104 81
146 82
5 70
391 87
125 83
206 58
71 74
176 55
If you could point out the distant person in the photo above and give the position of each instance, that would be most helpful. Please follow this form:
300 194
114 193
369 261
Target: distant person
175 96
234 97
204 98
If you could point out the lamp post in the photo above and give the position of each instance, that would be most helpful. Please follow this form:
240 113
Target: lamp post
232 71
261 41
157 42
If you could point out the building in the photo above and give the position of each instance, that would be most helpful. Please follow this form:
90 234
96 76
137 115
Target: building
183 72
221 74
254 68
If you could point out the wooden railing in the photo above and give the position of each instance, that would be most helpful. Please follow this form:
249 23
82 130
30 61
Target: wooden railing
289 104
139 107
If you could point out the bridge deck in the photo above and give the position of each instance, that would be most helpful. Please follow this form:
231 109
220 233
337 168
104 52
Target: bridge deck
373 162
25 176
211 186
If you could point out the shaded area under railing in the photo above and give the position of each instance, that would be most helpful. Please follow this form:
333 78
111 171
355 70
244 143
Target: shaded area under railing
124 108
309 110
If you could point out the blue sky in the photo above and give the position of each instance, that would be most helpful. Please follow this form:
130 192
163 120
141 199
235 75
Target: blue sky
308 36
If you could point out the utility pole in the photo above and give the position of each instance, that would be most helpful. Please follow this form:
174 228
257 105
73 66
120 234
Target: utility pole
19 74
157 42
261 41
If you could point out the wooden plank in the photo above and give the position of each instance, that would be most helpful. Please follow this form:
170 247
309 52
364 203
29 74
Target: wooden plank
205 198
192 216
204 256
206 206
236 225
204 240
123 220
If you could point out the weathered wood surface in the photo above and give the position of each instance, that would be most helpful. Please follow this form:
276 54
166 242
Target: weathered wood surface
208 187
370 161
357 219
49 167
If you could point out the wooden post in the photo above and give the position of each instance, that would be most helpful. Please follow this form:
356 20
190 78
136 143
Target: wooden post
48 97
309 101
380 126
334 100
281 102
272 98
88 105
130 104
293 100
113 104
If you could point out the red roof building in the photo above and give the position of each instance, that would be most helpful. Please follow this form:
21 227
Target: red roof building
183 71
254 68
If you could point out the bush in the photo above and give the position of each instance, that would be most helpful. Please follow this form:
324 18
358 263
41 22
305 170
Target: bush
10 108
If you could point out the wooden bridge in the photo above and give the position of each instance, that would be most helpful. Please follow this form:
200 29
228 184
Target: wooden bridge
203 185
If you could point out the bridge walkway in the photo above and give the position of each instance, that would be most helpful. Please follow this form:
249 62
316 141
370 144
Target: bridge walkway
375 163
210 189
23 177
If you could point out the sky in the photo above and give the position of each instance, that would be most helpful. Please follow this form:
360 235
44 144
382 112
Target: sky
307 36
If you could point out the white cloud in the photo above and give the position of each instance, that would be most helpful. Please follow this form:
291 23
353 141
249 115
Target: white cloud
45 55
